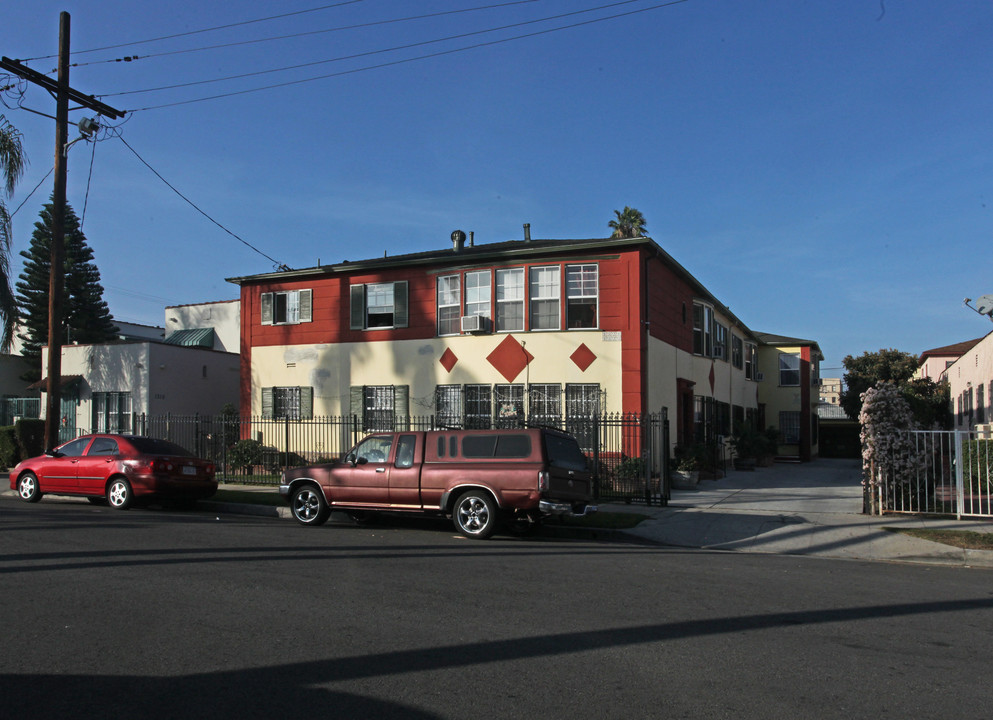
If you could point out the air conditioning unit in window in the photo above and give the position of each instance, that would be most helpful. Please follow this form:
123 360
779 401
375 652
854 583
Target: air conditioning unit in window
474 323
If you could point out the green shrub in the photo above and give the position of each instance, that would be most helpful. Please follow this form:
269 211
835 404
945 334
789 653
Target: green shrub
977 464
246 453
632 467
30 434
9 452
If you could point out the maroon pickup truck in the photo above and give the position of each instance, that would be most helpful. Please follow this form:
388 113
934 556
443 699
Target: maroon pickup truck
479 478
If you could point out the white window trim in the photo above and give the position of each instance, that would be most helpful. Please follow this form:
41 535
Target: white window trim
300 301
555 295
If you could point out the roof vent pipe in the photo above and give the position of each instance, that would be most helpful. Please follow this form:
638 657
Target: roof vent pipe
458 240
472 242
527 232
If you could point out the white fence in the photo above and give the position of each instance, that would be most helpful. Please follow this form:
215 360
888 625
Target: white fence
937 472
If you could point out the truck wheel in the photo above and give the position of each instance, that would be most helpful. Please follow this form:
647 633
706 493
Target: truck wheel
476 514
309 506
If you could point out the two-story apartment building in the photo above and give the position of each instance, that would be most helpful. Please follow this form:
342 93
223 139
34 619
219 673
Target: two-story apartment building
970 382
517 332
933 364
789 369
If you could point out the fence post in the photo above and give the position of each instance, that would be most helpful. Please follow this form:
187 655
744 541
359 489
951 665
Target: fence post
286 442
597 430
647 476
957 462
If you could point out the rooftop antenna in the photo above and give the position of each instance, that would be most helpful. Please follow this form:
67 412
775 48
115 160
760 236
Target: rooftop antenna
984 305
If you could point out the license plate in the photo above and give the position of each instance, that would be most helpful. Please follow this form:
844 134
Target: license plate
189 470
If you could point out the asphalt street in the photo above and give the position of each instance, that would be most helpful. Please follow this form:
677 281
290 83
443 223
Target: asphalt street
163 614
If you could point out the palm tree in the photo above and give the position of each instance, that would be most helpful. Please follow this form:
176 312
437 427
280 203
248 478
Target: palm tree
629 224
12 161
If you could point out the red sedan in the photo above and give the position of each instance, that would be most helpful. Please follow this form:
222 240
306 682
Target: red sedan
120 468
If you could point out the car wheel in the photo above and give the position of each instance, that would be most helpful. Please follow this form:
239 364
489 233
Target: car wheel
119 494
309 506
28 488
476 514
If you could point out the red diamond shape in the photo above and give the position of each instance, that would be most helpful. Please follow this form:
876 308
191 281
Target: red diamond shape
583 357
448 359
509 358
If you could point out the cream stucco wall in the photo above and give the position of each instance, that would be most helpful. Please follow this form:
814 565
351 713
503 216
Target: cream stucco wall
972 375
332 369
224 317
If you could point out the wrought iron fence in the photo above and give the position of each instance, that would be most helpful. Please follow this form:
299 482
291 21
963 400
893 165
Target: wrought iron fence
937 472
14 408
628 453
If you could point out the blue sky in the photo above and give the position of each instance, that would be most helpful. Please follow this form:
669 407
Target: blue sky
825 167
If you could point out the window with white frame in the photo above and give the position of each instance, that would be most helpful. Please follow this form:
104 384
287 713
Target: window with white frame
449 305
751 361
703 328
789 369
720 341
112 412
545 298
510 299
378 306
288 307
477 293
582 295
737 351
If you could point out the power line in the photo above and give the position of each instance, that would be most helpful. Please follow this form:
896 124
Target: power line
278 265
373 52
197 32
340 28
440 53
50 171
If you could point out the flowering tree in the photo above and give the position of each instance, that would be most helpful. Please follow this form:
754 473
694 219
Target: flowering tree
888 449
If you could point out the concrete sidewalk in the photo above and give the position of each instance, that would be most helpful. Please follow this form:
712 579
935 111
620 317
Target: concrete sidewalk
812 509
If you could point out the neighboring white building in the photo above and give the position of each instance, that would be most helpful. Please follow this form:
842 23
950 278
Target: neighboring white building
103 385
136 331
216 325
970 381
191 366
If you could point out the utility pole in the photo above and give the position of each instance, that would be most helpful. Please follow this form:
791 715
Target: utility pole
63 94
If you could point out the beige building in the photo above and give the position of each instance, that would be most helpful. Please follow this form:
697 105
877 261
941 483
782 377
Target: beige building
105 386
830 391
970 380
789 371
933 364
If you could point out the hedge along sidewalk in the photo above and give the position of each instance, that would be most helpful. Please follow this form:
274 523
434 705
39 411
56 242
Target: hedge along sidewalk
20 441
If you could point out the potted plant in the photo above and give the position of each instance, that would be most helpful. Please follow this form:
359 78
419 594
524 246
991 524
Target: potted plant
768 447
746 444
686 467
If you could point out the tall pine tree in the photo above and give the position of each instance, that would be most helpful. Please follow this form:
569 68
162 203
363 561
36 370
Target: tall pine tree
86 317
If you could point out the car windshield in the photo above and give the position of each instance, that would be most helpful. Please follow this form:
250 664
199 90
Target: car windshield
154 446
